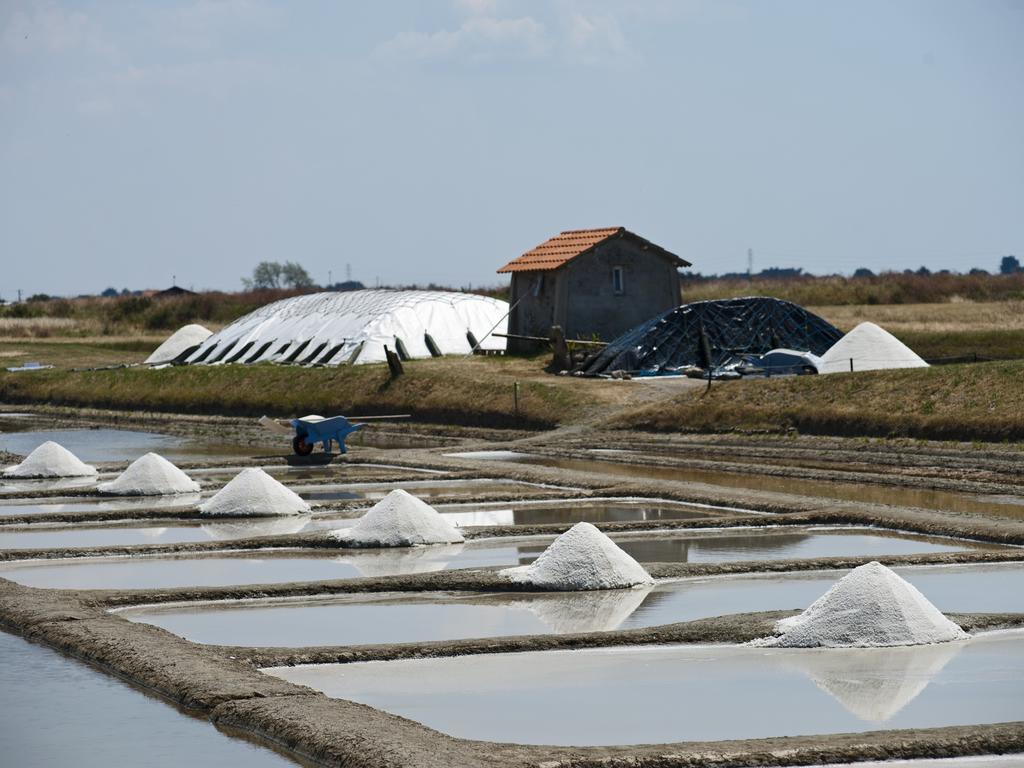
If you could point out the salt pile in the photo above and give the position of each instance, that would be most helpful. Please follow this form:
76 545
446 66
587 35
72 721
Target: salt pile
871 348
253 492
150 475
183 341
400 520
871 606
581 558
51 460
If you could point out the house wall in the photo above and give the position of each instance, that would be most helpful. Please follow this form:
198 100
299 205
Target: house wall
650 286
534 315
581 297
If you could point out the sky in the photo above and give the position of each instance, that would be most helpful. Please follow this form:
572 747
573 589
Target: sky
418 142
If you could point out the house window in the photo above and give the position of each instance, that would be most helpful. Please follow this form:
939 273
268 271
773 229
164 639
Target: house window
617 285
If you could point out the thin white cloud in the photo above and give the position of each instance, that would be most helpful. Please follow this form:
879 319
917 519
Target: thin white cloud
597 40
477 38
39 26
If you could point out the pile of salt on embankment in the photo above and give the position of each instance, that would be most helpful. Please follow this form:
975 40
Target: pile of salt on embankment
581 558
150 475
869 607
253 492
399 520
50 460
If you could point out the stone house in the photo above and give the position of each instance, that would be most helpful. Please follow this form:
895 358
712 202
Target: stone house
594 283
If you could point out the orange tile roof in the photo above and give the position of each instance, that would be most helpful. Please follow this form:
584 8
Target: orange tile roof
553 253
566 246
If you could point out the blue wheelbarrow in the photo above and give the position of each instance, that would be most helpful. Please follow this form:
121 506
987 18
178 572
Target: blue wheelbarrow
310 430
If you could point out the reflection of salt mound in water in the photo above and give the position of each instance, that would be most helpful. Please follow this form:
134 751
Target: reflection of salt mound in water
875 683
596 611
182 341
253 492
50 460
581 558
870 606
246 529
399 520
871 348
150 475
403 560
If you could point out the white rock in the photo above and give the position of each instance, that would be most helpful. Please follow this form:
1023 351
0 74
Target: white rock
150 475
51 460
253 492
581 558
183 340
400 520
871 606
871 348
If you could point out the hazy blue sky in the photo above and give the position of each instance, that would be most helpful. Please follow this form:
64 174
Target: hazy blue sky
434 141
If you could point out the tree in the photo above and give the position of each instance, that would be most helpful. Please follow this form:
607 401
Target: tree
109 292
978 271
1010 265
923 271
271 274
863 272
295 276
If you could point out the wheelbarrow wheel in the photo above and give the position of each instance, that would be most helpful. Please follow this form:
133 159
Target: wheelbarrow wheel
301 447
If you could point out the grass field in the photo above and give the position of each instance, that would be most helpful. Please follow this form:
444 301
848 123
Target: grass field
983 401
952 402
466 391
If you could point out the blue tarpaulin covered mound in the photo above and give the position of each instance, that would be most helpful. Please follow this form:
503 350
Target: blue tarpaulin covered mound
713 335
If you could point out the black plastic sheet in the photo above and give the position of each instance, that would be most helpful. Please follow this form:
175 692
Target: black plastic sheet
713 335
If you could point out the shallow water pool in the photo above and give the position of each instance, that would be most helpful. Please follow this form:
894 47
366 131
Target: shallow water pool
1012 506
359 619
128 445
654 695
59 712
263 567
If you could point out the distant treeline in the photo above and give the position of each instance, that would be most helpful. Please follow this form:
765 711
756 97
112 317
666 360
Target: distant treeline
920 287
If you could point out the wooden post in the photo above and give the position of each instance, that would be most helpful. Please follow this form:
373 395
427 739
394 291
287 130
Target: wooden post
560 359
851 365
515 397
394 363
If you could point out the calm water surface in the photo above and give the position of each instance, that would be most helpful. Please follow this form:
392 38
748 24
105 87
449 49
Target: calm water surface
55 711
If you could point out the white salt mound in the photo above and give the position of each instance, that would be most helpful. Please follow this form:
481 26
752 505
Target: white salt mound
150 475
253 492
872 348
51 460
871 606
183 340
581 558
400 520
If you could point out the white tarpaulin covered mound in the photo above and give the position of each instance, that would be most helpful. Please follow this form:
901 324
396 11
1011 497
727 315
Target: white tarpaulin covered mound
51 460
871 606
400 520
253 492
354 327
871 348
182 342
581 558
150 475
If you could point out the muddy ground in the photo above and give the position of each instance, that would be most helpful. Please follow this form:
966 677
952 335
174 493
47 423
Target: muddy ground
225 684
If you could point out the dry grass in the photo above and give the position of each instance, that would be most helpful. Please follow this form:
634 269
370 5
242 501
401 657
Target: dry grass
954 402
933 318
466 391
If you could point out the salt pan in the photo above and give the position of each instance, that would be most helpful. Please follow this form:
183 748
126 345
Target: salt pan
871 606
400 520
180 343
51 460
581 558
150 475
253 492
